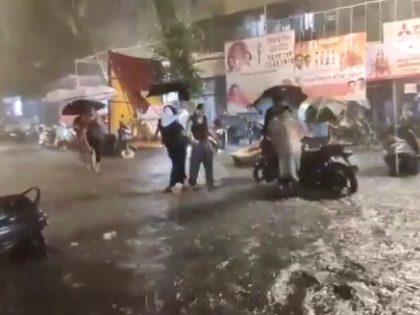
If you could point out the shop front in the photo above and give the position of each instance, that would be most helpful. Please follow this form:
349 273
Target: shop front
211 68
393 72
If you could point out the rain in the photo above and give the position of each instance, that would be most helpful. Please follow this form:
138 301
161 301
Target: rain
107 240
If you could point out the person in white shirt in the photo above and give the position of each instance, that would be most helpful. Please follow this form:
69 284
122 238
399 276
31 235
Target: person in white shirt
172 124
299 69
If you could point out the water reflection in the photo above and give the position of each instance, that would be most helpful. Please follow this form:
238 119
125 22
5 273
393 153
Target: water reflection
290 257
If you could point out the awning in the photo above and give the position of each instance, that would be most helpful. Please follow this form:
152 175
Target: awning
99 93
135 76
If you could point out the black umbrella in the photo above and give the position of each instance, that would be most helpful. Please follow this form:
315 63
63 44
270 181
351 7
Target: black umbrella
81 106
293 94
180 87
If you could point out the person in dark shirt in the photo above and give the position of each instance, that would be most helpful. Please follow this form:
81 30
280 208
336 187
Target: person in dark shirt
201 152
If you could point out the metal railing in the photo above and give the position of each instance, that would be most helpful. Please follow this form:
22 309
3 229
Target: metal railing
366 17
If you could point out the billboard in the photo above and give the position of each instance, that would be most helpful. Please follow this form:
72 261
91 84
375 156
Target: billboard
255 64
332 67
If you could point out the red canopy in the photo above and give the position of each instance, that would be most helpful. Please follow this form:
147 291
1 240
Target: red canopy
135 76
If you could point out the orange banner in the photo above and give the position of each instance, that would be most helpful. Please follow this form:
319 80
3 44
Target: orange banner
332 67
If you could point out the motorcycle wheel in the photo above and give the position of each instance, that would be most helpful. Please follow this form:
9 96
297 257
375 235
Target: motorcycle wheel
341 180
30 247
413 166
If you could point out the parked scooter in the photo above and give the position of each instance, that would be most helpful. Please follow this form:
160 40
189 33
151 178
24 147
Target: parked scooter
20 129
21 225
402 153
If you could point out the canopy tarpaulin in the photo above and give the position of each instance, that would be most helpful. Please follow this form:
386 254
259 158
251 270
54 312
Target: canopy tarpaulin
135 75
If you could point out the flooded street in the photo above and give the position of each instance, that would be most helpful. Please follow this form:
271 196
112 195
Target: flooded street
119 246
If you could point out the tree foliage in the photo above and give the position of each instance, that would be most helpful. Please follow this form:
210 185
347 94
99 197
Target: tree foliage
179 40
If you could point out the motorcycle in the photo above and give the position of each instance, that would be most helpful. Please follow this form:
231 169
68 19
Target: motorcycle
61 137
20 129
21 225
354 126
402 152
330 167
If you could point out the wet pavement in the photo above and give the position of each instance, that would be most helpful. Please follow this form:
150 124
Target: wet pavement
119 246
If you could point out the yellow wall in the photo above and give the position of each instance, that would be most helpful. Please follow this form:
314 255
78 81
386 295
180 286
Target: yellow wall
120 106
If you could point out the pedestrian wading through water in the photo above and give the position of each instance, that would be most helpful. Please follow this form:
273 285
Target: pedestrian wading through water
172 125
201 150
91 137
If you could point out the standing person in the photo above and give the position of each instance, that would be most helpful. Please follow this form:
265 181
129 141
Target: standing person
285 133
78 130
91 137
201 152
221 133
298 68
172 124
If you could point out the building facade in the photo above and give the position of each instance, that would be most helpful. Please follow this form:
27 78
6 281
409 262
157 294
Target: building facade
315 20
311 20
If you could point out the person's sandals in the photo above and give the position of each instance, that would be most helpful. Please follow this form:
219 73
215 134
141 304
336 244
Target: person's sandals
175 189
97 166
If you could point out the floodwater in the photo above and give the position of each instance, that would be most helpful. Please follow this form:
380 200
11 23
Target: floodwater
120 247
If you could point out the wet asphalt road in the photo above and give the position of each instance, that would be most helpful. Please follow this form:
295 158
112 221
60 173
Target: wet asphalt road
236 250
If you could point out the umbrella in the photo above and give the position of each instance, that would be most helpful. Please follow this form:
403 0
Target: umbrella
180 87
326 107
293 94
81 106
98 93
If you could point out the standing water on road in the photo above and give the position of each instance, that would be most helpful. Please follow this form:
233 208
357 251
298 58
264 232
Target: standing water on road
227 252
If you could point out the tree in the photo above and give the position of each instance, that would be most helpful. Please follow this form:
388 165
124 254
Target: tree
179 40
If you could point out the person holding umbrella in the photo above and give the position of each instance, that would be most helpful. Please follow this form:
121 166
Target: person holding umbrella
282 132
90 133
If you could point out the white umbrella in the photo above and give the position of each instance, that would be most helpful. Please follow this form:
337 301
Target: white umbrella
337 107
99 93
